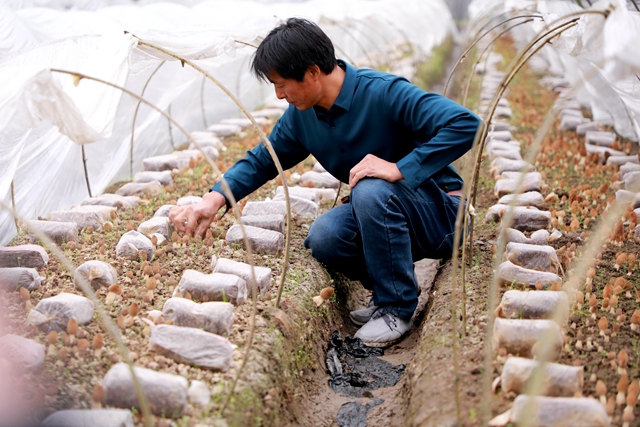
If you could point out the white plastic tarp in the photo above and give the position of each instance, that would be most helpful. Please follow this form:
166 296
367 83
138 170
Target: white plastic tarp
46 120
599 57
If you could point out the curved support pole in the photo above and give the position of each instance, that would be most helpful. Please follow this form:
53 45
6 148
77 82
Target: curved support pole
135 116
460 218
473 69
13 203
173 145
345 54
466 52
86 174
404 36
335 202
469 219
204 114
355 39
376 30
246 43
274 156
244 60
516 64
104 317
272 152
486 17
228 194
574 283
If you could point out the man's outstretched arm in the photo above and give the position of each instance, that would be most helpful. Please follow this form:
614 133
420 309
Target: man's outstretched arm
245 176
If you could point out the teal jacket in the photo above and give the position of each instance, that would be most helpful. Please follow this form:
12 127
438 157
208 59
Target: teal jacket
375 113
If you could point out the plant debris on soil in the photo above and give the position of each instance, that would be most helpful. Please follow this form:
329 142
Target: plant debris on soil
354 414
355 369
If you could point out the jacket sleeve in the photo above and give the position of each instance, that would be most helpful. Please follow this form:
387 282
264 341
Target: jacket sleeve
442 129
254 170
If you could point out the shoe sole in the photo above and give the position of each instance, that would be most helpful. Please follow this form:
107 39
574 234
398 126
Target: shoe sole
383 344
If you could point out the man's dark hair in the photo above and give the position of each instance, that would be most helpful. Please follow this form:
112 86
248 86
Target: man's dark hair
291 48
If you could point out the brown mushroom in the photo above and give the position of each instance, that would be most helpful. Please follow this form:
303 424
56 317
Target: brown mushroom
627 416
52 337
613 302
133 309
98 396
114 291
634 388
618 233
631 260
97 345
623 384
72 330
120 322
579 299
621 258
607 291
635 320
623 360
63 353
603 324
148 296
83 345
610 405
592 304
626 285
601 390
24 294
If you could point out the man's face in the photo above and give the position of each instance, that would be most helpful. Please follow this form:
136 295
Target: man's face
302 95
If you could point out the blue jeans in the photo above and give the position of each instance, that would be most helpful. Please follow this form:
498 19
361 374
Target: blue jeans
378 236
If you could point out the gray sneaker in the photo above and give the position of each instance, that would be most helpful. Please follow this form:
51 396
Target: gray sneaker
362 315
383 329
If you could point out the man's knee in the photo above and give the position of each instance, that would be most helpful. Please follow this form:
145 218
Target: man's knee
322 235
314 237
370 193
330 236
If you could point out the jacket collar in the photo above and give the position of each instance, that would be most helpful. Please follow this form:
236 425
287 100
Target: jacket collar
348 86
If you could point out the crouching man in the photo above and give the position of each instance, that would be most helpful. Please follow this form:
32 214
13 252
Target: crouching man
389 140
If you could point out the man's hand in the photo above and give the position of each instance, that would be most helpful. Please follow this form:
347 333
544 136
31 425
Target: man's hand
196 218
374 167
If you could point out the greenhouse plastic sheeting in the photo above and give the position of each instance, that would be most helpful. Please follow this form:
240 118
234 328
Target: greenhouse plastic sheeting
599 57
47 118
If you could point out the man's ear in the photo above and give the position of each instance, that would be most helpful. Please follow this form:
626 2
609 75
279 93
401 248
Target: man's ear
314 72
